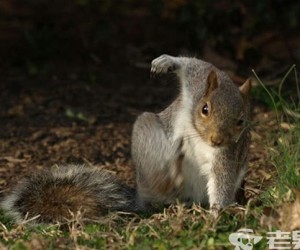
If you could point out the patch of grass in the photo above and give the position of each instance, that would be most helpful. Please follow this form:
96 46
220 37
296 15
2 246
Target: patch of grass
285 152
286 158
6 220
176 227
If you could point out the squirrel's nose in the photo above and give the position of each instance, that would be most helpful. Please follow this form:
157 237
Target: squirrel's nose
216 140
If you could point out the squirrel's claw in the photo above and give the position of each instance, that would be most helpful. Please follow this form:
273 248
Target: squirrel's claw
215 211
164 64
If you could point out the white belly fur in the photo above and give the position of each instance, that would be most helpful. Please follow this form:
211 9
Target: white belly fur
197 162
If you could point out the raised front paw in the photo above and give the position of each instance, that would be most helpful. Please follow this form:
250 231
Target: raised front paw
164 64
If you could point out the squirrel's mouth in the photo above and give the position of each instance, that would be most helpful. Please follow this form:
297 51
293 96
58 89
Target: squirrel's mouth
216 144
219 143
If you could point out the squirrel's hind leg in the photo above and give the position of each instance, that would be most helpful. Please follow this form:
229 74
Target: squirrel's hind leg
157 160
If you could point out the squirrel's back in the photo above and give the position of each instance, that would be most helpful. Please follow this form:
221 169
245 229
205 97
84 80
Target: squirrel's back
53 195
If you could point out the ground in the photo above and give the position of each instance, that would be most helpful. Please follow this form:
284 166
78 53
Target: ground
60 120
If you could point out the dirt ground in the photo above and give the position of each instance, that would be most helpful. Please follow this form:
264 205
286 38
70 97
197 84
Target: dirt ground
64 119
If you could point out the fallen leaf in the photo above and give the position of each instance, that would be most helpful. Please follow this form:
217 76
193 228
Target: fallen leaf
12 159
290 215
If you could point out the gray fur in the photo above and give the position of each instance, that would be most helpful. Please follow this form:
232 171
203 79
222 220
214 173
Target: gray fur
207 173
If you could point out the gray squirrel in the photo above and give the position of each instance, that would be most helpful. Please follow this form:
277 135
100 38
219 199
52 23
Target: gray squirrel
194 151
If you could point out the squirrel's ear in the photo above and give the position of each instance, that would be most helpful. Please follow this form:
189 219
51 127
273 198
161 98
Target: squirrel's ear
212 82
246 87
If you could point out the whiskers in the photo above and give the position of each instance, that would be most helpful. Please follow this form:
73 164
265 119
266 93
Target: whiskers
192 136
246 128
189 134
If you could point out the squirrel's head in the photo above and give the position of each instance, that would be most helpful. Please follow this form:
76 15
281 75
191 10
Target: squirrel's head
222 114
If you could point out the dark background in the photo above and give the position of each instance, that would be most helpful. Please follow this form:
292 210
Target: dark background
45 36
75 74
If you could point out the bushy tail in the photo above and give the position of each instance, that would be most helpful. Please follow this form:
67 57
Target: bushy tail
53 195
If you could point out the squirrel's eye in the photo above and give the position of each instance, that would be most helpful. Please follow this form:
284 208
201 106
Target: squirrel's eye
205 110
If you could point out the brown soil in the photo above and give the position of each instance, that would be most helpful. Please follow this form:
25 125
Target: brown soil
65 119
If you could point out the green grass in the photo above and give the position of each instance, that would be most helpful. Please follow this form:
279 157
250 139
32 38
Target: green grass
285 155
176 227
286 158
